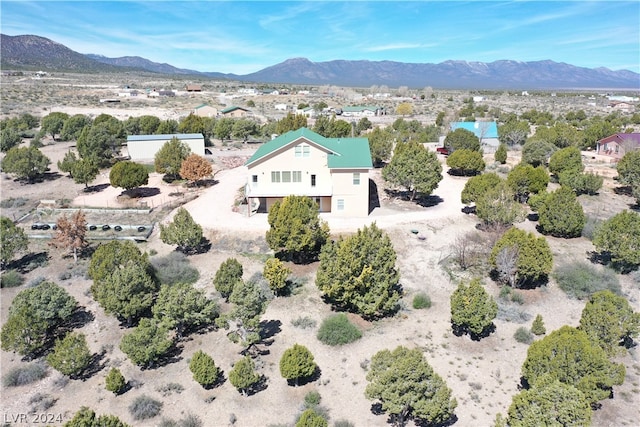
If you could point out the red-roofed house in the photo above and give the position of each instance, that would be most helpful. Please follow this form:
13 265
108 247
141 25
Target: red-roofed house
618 144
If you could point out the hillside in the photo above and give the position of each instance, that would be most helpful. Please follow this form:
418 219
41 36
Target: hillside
31 52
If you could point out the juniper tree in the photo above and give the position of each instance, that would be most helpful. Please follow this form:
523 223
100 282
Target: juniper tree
358 273
71 355
182 231
204 370
227 276
407 387
472 309
297 363
243 375
414 168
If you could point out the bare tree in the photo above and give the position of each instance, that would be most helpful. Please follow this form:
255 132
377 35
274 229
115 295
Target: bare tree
71 233
507 264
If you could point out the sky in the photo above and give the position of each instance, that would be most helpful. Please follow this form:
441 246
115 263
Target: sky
244 37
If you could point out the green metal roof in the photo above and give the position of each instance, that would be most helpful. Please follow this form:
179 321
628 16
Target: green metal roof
229 109
344 153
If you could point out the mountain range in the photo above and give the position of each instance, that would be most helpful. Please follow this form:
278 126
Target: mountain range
29 52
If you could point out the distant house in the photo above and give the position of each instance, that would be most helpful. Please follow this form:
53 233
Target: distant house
361 111
617 145
332 171
204 110
487 132
155 93
621 106
234 112
145 147
193 88
281 107
307 112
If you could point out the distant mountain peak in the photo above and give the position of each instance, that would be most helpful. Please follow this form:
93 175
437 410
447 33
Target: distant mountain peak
31 52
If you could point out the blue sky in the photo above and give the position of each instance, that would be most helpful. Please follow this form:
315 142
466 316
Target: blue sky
243 37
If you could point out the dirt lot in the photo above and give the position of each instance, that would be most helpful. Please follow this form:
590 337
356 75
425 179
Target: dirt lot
484 375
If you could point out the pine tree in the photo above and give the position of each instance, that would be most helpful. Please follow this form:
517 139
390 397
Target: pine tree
169 158
561 214
407 387
472 309
243 375
204 369
358 273
71 355
182 231
227 276
414 168
568 356
500 155
148 343
537 328
295 229
12 240
276 274
115 381
297 364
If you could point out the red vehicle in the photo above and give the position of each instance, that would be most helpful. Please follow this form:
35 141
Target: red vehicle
443 150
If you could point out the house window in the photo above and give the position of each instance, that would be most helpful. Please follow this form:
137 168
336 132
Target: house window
302 151
313 180
617 148
275 176
356 178
286 176
297 176
254 179
340 204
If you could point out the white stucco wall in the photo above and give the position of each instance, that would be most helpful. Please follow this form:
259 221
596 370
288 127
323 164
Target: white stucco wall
146 150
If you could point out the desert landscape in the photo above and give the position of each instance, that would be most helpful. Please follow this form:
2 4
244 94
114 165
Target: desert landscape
483 374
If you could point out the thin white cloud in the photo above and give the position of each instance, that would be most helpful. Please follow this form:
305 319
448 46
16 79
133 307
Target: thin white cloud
397 46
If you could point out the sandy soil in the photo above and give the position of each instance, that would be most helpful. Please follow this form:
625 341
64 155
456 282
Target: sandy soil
483 375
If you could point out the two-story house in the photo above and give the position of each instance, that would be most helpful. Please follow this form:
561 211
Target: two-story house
332 171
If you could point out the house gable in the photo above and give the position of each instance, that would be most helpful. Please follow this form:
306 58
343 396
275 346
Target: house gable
342 153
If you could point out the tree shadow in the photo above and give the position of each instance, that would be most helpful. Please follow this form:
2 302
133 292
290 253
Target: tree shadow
306 380
203 247
258 386
30 262
95 365
95 188
459 330
219 381
429 201
269 328
624 190
203 183
604 258
172 356
468 210
47 176
424 423
374 198
140 192
533 216
81 317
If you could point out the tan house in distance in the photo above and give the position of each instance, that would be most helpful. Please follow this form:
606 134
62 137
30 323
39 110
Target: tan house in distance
205 110
617 145
334 172
235 112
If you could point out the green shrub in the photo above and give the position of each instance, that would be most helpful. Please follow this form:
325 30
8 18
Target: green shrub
174 268
204 369
537 328
580 280
305 322
312 399
421 300
170 388
11 279
523 335
517 297
115 381
145 407
337 330
590 227
22 375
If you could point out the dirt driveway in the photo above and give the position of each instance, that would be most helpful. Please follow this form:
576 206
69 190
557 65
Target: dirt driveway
213 209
